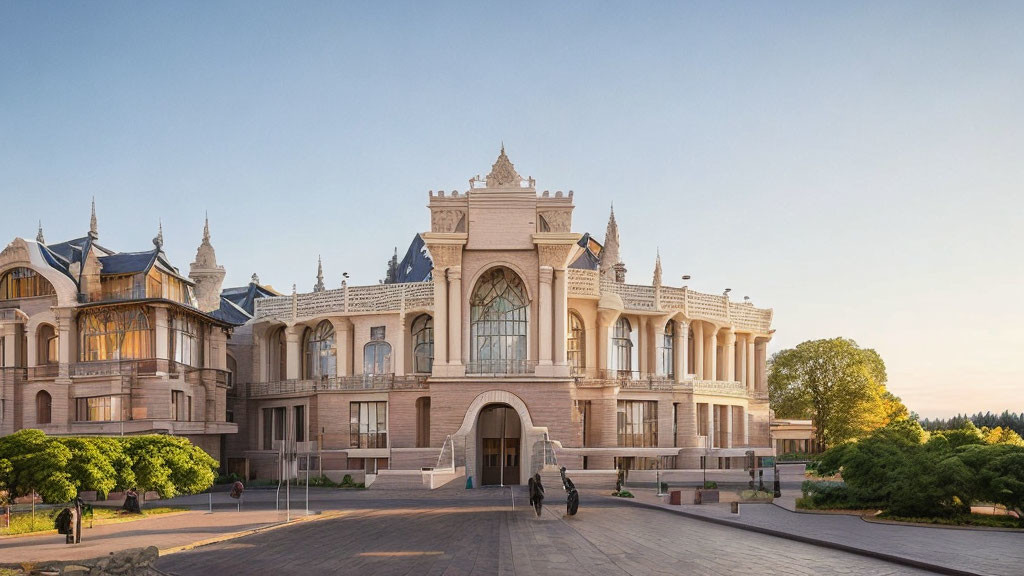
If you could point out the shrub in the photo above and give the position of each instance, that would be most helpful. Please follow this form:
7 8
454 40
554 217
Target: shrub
710 485
664 487
822 494
623 494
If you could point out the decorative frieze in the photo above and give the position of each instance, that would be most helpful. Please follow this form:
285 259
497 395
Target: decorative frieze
351 299
447 220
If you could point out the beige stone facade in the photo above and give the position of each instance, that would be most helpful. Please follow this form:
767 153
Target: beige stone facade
538 349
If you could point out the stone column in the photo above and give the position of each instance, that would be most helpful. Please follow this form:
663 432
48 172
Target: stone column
561 316
657 345
751 361
10 342
605 318
729 352
679 345
761 376
343 342
727 433
66 338
745 422
292 337
455 315
160 335
544 311
712 433
398 349
698 350
440 321
643 344
711 355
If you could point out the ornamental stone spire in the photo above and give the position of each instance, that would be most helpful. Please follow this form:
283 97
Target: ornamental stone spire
319 286
657 270
159 240
503 172
39 235
208 276
610 252
93 230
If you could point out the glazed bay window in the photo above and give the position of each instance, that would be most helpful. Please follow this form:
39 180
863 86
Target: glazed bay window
576 344
498 311
102 409
186 340
318 344
368 424
423 344
24 283
622 349
637 423
115 334
666 352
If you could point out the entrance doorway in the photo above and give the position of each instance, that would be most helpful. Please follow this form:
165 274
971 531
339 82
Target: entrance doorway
500 432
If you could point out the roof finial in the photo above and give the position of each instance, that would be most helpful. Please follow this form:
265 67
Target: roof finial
657 269
39 235
255 279
319 286
206 228
610 251
93 231
503 172
159 240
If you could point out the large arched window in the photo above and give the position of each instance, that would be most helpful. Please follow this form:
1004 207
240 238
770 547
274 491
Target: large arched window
498 323
114 334
622 348
318 344
44 407
24 283
376 358
576 344
423 343
666 352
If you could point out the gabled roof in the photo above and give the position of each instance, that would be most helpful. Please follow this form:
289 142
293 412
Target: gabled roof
238 305
590 258
128 262
416 266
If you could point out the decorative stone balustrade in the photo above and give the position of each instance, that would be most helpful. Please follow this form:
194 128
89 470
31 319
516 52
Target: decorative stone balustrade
635 297
719 388
364 382
353 299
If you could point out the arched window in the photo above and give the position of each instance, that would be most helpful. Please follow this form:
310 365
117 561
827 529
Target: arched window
277 355
667 352
186 340
498 313
376 358
44 407
576 344
115 334
24 283
321 360
46 345
622 347
423 343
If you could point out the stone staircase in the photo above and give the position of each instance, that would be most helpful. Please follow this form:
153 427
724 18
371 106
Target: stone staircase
414 479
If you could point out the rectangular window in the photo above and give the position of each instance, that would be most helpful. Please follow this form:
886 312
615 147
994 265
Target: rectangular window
273 426
637 423
300 423
368 424
177 405
102 409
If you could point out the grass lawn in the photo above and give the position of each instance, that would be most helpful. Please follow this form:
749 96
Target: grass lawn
25 523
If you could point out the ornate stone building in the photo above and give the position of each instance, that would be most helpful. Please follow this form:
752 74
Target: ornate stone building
99 342
521 344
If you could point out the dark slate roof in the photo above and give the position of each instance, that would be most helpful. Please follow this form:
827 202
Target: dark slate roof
244 297
128 262
590 258
230 312
417 265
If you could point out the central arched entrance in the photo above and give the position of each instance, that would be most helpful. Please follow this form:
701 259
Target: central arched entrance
499 442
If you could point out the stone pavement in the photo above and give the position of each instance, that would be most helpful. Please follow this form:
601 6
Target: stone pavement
971 551
161 531
484 536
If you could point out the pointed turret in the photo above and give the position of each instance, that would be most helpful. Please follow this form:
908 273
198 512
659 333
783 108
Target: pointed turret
657 270
208 276
612 267
503 172
319 286
39 235
93 229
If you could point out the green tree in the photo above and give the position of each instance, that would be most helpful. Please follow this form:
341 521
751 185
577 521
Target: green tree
836 384
89 467
169 465
36 463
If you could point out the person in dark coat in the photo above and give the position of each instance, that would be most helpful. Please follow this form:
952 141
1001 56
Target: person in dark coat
131 502
536 492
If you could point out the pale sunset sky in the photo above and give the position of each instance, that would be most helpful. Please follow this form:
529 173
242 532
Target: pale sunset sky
857 167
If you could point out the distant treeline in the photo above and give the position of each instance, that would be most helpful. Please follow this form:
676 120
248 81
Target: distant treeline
1007 419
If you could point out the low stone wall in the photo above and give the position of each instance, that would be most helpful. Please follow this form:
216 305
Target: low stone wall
131 562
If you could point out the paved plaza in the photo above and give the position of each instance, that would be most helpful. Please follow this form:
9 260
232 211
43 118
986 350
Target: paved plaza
480 534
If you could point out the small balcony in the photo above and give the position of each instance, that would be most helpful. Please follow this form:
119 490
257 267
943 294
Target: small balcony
500 367
142 367
362 382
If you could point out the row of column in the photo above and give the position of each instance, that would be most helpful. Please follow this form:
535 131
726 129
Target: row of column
724 422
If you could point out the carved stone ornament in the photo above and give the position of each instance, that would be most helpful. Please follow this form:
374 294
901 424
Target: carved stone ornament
554 255
503 172
16 251
446 220
445 255
557 220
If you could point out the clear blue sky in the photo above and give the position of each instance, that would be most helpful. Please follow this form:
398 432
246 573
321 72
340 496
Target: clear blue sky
855 166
